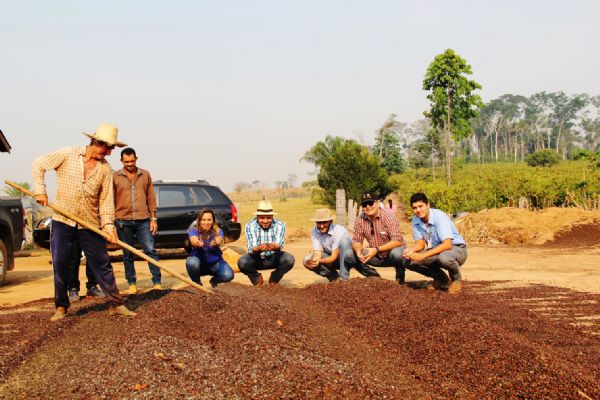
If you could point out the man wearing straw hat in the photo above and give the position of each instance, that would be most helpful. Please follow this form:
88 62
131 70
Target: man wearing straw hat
330 245
265 236
85 190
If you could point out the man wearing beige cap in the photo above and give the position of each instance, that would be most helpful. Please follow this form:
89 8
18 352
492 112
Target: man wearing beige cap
85 189
330 245
265 236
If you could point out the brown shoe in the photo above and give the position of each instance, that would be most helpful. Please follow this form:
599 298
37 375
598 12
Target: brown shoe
59 314
260 280
455 287
434 285
121 311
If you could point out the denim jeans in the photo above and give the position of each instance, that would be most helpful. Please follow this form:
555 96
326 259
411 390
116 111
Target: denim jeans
220 270
329 271
450 260
74 283
393 259
63 239
280 261
128 232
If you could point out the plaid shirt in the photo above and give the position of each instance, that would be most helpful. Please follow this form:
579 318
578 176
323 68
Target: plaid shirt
379 231
256 235
90 199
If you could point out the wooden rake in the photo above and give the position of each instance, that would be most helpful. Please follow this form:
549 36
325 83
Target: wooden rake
119 242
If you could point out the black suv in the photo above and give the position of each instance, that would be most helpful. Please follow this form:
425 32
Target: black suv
178 207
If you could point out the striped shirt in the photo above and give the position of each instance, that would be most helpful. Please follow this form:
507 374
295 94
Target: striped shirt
256 235
89 199
379 231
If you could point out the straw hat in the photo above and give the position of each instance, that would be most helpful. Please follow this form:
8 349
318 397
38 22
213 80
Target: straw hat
322 215
107 134
265 208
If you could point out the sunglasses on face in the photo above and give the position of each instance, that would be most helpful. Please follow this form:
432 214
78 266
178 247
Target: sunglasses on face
368 203
109 146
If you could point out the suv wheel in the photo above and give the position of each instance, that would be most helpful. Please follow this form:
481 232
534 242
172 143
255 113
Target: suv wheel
3 261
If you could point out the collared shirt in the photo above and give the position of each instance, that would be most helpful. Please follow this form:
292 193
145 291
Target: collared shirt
439 228
330 240
381 230
90 199
133 200
256 235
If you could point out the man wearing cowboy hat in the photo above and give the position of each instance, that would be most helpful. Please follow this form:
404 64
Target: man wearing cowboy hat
331 244
265 236
85 189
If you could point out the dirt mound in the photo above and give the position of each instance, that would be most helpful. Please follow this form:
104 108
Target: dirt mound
587 234
368 338
516 226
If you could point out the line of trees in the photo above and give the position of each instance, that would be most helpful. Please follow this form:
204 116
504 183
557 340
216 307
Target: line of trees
459 126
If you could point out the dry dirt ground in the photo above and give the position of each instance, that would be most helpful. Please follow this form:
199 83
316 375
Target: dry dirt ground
527 325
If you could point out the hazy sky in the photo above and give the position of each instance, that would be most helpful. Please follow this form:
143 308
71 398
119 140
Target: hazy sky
238 90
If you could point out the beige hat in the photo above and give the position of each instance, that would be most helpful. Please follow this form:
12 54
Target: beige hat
265 208
106 133
321 215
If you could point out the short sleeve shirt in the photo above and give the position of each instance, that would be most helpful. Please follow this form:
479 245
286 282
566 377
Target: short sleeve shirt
329 241
439 228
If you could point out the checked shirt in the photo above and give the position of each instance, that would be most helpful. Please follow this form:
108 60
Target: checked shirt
255 235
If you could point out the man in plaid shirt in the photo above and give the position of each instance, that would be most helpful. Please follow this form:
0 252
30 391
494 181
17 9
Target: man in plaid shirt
381 230
265 236
85 190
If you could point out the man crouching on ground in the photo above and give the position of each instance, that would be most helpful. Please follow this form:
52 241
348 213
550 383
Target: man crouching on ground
331 244
438 246
85 189
265 236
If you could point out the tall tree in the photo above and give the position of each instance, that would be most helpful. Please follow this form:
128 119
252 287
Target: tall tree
355 169
323 150
387 145
452 99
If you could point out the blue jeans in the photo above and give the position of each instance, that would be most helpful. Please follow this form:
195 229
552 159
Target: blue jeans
329 271
281 262
128 232
220 270
393 259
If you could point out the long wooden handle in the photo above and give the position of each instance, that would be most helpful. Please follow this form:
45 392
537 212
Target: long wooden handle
119 242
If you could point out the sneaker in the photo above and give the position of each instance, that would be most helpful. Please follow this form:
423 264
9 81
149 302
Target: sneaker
132 289
213 282
157 286
455 287
95 292
59 314
121 311
74 295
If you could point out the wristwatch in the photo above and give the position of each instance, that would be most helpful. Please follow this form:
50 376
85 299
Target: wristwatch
153 219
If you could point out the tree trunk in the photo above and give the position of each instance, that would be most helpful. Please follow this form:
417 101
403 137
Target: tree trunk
447 142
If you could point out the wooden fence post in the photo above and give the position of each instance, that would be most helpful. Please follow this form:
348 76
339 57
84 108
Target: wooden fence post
340 206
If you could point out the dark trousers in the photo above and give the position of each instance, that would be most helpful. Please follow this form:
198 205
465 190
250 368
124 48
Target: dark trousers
74 283
281 262
62 240
393 259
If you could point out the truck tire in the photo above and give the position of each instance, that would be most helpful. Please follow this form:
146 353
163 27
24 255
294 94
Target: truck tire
4 260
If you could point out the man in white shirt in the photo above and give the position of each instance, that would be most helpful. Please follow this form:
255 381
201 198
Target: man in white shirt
331 247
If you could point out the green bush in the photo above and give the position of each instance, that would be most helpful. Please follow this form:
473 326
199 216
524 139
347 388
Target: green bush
543 158
480 186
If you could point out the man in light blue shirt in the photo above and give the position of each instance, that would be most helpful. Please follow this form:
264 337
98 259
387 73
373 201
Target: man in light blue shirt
438 246
265 236
330 244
